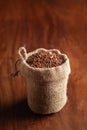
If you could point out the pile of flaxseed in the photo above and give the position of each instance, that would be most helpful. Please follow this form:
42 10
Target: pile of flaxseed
45 59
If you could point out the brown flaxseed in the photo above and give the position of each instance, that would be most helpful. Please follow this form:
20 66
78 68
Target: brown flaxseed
45 59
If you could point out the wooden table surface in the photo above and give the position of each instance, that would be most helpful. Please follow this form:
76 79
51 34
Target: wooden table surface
49 24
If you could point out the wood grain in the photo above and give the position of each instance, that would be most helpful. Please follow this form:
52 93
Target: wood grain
50 24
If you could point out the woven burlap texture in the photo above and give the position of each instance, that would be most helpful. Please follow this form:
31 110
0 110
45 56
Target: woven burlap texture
46 87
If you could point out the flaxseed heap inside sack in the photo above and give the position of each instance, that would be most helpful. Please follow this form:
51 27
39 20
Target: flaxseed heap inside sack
45 59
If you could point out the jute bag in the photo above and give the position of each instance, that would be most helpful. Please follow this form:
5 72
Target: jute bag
46 87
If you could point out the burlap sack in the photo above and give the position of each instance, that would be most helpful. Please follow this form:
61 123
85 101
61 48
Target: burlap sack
46 87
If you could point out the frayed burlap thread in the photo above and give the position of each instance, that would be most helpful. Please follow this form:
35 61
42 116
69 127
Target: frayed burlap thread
46 87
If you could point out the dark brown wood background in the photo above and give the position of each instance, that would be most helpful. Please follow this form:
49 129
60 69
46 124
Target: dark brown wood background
60 24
